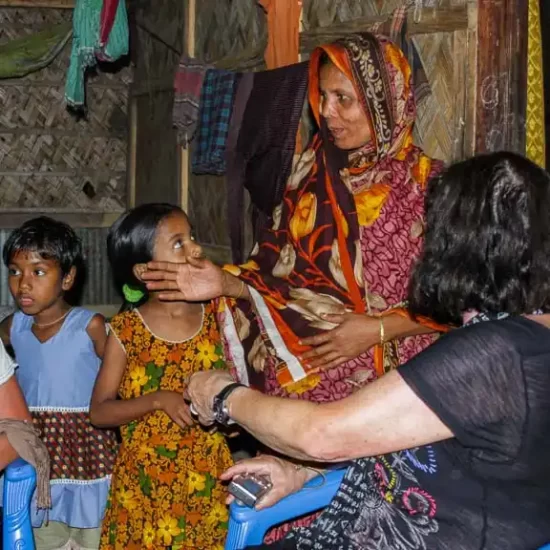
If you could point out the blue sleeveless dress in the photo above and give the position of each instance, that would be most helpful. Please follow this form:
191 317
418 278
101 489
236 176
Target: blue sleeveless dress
57 378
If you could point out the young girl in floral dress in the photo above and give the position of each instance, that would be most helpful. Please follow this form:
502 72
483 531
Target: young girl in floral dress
165 491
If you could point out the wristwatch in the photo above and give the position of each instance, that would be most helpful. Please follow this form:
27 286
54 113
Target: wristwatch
219 406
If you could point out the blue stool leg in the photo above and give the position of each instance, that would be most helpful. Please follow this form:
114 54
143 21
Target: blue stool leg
19 485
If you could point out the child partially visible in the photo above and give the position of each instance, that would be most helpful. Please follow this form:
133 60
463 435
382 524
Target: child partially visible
58 349
166 491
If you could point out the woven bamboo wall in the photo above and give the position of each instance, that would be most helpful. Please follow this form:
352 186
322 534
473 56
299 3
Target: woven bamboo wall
48 157
54 162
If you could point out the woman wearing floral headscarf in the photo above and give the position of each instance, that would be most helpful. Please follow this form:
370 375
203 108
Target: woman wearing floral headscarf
319 308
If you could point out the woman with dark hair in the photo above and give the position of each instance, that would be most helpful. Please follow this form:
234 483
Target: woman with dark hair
451 450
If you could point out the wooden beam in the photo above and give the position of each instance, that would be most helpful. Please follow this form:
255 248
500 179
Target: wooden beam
501 75
189 48
429 21
58 4
12 217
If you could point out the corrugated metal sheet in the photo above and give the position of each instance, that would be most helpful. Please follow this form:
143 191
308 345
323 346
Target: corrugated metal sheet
98 288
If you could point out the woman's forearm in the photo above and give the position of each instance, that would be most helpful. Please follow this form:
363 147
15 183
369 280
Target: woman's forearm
118 412
233 287
289 434
382 417
397 326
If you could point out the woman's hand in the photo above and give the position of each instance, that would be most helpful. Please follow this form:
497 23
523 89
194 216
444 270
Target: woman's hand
196 280
173 404
284 477
354 334
201 390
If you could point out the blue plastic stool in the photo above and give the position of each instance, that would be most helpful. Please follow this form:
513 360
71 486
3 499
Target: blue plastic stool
248 526
19 484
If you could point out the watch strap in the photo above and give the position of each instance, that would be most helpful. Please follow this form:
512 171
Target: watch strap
219 408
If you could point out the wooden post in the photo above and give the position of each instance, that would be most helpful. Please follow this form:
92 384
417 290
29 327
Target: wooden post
189 48
132 150
501 75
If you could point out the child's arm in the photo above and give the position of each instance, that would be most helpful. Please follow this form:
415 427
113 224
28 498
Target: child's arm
5 329
107 411
12 405
98 334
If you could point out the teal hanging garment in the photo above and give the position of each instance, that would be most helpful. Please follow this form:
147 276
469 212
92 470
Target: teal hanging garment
87 47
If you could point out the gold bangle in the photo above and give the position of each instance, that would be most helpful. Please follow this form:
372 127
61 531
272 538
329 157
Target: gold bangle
382 331
240 291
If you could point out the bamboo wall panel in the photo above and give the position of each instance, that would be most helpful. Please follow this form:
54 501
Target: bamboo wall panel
48 156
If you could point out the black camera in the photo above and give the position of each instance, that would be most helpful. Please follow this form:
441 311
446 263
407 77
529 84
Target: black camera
249 489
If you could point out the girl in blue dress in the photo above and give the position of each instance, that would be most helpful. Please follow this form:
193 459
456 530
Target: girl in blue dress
59 350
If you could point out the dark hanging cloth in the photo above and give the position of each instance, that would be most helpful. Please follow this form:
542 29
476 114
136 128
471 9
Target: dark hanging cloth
236 167
260 147
545 24
188 82
217 97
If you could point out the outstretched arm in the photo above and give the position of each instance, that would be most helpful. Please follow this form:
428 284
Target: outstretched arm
333 432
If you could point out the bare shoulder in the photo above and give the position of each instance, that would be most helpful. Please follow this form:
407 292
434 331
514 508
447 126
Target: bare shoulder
97 323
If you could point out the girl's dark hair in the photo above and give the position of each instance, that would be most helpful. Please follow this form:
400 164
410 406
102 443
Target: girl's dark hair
131 240
487 240
51 239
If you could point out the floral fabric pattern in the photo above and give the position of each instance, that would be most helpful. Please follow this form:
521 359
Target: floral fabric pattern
165 491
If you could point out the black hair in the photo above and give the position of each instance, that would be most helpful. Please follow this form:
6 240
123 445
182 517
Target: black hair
49 238
131 240
52 240
487 240
324 59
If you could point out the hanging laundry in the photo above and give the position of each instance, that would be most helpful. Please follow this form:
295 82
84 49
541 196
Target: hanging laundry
259 157
216 105
187 94
89 45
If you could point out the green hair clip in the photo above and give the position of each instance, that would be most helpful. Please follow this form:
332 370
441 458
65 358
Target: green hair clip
132 294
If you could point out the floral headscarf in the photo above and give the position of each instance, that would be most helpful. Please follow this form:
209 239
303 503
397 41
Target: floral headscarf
347 231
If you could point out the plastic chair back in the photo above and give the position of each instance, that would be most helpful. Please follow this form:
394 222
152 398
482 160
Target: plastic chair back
19 485
248 526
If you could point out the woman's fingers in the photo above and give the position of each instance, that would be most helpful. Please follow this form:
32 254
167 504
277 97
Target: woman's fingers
269 499
318 339
162 284
318 351
255 465
166 267
336 318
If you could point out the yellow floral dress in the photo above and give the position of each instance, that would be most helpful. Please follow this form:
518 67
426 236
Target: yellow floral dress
165 490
